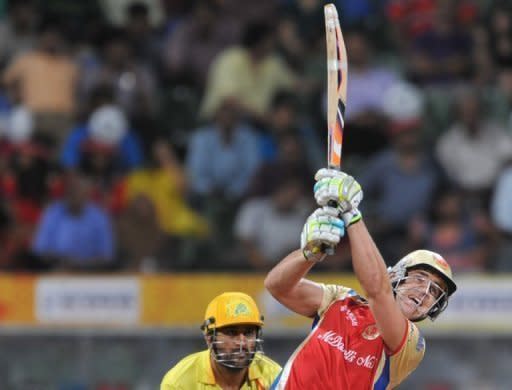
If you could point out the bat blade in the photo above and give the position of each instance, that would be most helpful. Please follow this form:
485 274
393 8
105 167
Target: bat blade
337 72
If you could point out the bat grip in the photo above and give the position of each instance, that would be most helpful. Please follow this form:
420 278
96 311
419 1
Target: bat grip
329 250
333 204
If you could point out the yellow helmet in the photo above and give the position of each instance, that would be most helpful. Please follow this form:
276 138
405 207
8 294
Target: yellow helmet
231 308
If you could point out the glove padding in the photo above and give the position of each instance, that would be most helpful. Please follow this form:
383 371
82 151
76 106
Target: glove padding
343 189
323 229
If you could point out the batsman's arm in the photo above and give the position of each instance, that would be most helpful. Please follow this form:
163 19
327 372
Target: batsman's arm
370 269
286 283
286 280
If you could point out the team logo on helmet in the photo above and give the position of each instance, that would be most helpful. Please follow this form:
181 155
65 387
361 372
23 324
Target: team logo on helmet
371 332
236 309
441 262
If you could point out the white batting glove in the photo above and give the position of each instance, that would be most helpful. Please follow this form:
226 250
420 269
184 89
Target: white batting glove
337 187
323 229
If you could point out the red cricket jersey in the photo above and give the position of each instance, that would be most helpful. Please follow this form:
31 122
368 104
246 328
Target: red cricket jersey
345 350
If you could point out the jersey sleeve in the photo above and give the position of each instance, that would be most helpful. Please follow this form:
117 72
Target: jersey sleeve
331 293
408 357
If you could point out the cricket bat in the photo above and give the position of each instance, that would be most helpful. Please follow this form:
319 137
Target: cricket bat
337 72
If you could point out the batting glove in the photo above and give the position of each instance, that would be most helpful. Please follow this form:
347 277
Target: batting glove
323 229
337 187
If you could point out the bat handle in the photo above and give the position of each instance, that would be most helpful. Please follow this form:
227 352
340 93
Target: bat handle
329 250
333 204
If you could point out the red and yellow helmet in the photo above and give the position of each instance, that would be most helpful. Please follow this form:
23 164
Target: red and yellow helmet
430 261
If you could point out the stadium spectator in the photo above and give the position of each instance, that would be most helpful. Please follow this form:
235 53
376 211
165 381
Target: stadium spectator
74 234
143 246
223 156
164 183
501 205
140 32
503 104
252 73
115 11
189 51
309 15
360 12
47 67
133 83
106 133
367 83
455 230
410 18
25 185
501 214
221 160
401 182
289 162
441 54
17 30
267 227
500 33
474 149
284 118
32 180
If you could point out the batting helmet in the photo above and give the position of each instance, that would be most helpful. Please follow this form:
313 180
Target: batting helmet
231 308
430 261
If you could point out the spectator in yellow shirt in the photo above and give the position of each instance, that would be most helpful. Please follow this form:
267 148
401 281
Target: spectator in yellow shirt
251 74
234 359
164 183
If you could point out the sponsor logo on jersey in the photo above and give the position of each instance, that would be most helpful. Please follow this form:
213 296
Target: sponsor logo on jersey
349 315
371 332
334 340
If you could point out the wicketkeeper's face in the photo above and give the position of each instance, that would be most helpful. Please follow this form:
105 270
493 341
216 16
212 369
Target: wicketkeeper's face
418 292
235 346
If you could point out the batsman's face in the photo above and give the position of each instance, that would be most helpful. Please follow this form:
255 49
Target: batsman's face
236 345
418 292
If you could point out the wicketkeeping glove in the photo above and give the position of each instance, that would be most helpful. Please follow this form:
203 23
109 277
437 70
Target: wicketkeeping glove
323 229
338 187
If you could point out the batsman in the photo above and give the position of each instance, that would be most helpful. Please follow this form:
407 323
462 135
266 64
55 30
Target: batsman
367 341
357 341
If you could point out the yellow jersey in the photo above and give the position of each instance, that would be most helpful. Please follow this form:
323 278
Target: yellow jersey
195 372
162 188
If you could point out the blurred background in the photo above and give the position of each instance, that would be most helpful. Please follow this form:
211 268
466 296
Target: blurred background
156 153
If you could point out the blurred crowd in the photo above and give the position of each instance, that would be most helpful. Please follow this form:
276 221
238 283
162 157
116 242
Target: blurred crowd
164 135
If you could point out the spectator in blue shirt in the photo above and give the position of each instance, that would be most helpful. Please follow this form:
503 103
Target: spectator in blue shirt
400 182
223 156
107 128
74 233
